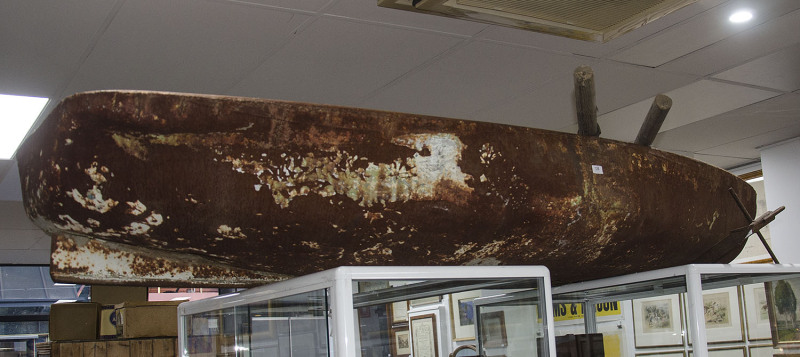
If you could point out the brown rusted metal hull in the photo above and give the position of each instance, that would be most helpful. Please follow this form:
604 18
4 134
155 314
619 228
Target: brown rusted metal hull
273 189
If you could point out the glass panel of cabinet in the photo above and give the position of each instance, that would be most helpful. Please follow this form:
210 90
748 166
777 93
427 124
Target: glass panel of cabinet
379 312
746 310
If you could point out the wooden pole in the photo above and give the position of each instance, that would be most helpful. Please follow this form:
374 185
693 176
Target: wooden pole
655 117
585 102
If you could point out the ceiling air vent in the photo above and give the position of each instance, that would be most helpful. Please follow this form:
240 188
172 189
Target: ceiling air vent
590 20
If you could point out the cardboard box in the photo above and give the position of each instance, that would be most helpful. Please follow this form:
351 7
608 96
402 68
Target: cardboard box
110 295
74 321
108 322
156 347
147 319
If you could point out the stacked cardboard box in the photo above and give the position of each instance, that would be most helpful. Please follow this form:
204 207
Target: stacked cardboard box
74 321
109 297
147 319
151 347
109 327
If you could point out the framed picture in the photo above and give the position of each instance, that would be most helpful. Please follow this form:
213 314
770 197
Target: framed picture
425 301
399 312
493 329
761 351
722 315
724 352
372 285
756 312
423 336
727 352
401 342
657 321
784 311
363 312
462 315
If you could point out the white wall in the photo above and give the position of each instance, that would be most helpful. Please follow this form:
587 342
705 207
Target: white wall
754 250
781 166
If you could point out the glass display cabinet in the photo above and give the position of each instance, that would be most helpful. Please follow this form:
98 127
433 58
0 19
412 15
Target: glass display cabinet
694 310
379 312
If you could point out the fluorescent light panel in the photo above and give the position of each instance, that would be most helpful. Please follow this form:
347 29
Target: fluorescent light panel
17 114
741 16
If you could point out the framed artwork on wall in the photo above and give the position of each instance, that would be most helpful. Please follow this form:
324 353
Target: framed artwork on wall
425 301
399 312
401 342
367 286
722 315
784 311
493 329
761 351
462 315
657 321
724 352
756 312
424 336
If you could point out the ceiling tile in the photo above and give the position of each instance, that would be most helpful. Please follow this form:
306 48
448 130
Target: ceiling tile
41 257
723 162
10 189
183 45
618 85
337 61
697 101
20 239
370 11
305 5
13 216
42 243
552 105
5 167
44 41
756 119
704 99
473 77
747 147
778 71
700 31
549 107
745 46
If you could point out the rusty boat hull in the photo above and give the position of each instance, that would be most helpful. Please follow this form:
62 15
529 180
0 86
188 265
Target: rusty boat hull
178 189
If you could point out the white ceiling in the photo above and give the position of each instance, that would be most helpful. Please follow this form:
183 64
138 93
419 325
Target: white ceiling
735 87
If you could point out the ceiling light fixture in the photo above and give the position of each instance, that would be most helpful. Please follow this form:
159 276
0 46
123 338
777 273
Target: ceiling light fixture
741 16
17 114
588 20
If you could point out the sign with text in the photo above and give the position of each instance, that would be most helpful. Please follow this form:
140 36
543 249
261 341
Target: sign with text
565 312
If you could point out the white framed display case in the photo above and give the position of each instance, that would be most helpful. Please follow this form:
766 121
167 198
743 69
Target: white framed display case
378 311
698 310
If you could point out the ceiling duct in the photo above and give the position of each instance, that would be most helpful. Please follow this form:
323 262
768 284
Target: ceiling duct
589 20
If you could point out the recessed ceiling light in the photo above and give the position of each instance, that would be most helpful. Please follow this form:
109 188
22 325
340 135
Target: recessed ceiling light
17 114
741 16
